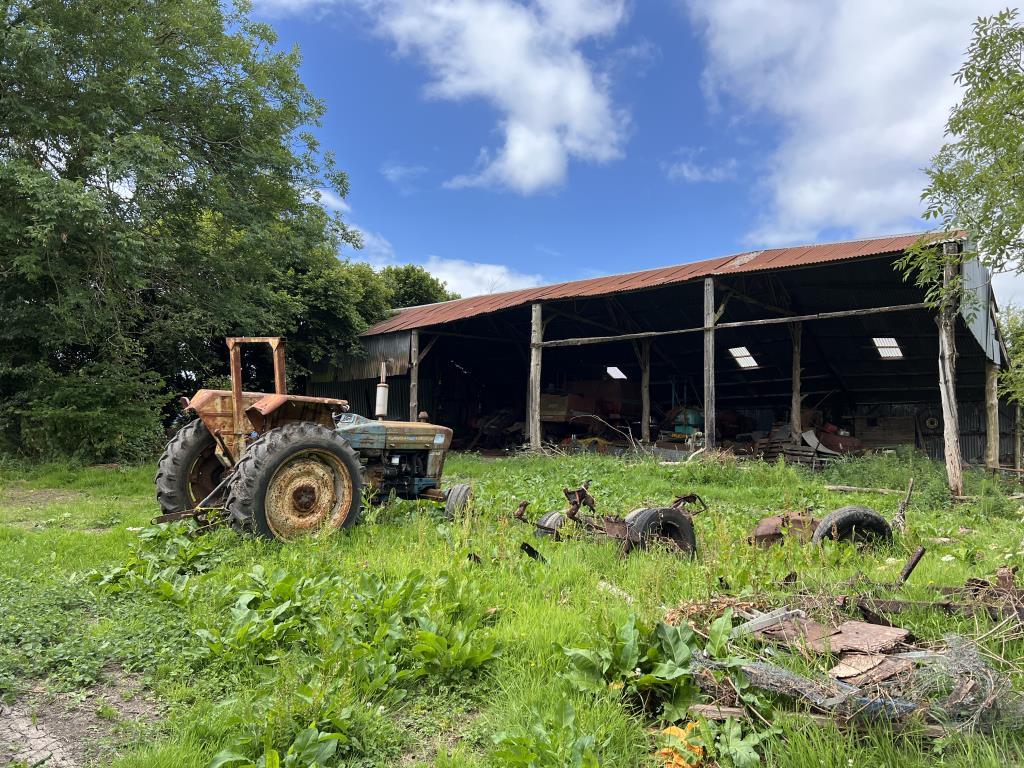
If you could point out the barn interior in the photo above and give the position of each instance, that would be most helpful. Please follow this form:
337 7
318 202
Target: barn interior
867 348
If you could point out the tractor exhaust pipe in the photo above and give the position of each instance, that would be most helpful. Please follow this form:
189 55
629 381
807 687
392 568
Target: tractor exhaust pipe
381 409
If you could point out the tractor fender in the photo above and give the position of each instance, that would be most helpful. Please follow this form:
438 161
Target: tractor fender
275 410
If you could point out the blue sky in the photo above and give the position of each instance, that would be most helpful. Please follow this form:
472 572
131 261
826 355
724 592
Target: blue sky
505 143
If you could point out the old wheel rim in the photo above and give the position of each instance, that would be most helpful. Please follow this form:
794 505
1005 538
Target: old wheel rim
204 475
311 491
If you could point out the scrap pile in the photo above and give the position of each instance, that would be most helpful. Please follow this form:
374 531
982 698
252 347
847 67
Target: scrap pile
866 669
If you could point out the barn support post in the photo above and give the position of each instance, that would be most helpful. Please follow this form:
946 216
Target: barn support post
709 362
414 374
796 402
536 337
1016 437
991 415
947 382
645 390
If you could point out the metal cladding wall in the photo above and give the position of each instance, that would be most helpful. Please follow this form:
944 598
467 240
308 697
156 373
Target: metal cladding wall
972 427
361 395
390 348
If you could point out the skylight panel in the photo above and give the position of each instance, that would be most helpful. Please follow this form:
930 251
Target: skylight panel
888 348
615 372
743 357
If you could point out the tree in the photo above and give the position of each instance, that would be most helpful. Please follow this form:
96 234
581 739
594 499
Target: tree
412 285
974 189
158 191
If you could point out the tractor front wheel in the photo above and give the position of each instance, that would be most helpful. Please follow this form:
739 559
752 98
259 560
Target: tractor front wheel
189 469
296 480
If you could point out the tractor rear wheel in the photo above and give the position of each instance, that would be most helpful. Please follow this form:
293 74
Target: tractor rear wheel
188 470
296 480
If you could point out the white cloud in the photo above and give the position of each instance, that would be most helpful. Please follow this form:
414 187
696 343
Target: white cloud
377 250
473 278
687 168
1008 288
402 176
332 201
861 90
525 59
466 278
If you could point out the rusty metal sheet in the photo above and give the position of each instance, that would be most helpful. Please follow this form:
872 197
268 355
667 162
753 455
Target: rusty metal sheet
771 530
849 636
752 261
797 631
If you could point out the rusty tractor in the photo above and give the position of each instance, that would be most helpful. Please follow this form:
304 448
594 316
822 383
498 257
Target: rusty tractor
283 466
670 526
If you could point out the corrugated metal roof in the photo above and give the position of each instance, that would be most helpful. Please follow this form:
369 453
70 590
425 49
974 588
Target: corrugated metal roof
751 261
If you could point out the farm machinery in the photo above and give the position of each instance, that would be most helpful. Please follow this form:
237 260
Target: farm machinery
670 526
283 466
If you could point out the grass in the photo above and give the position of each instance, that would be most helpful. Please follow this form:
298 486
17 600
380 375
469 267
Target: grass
63 632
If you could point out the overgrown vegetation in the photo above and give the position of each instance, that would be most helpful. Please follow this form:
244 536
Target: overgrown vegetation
388 644
159 190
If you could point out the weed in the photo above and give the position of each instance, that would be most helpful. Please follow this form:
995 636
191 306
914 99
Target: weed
650 667
551 741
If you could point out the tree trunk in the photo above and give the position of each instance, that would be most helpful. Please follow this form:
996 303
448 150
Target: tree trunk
947 384
991 415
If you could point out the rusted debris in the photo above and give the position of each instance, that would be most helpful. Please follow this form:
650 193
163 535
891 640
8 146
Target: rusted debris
772 530
852 523
857 636
671 525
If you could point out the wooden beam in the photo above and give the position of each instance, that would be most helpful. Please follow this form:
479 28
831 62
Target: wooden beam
947 383
991 414
536 337
796 400
414 374
426 350
577 342
645 390
709 362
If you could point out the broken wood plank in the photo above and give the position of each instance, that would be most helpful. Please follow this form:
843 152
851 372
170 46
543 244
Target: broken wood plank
716 712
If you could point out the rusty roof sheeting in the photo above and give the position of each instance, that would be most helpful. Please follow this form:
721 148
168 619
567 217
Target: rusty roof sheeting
750 261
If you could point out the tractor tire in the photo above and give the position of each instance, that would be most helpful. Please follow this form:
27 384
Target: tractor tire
853 523
549 525
296 480
457 500
666 524
188 470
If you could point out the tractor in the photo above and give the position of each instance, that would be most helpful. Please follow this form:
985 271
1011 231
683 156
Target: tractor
284 466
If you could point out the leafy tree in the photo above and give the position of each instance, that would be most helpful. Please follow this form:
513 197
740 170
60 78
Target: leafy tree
158 191
412 285
974 184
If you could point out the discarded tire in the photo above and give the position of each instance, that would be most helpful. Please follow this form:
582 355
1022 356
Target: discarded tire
293 481
853 523
550 524
188 469
457 499
665 524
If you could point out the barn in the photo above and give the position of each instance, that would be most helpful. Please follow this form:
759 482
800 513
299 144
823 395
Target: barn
741 351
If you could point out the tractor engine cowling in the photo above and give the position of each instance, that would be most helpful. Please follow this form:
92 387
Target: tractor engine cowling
406 458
